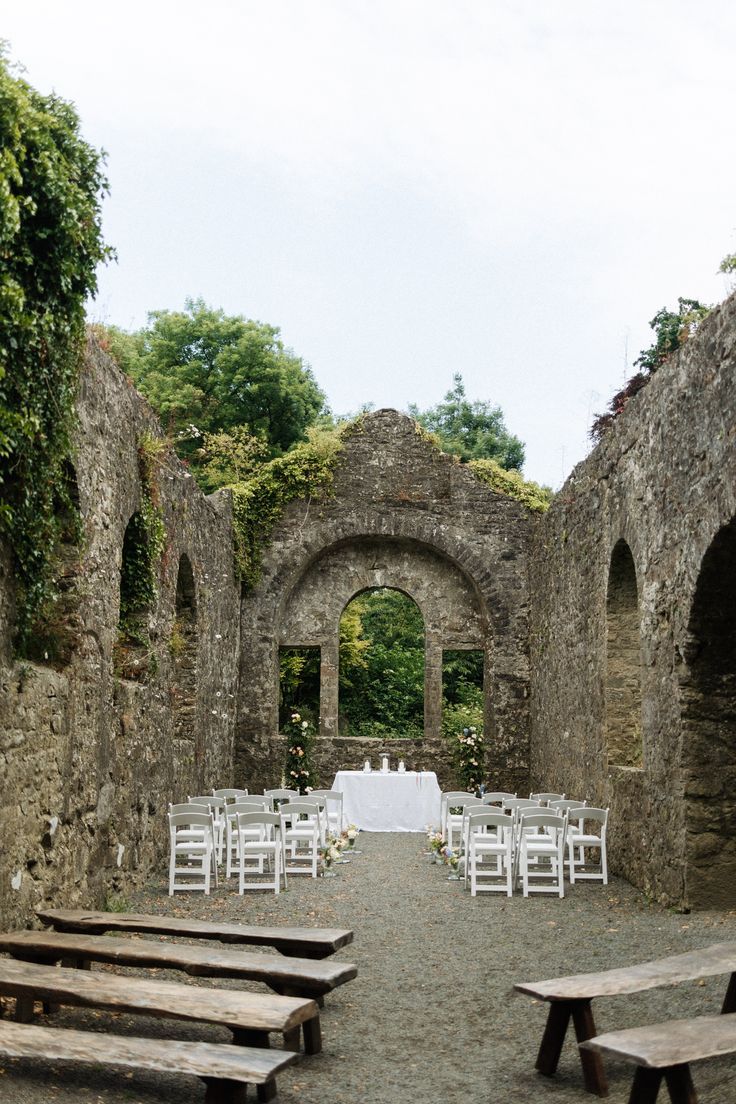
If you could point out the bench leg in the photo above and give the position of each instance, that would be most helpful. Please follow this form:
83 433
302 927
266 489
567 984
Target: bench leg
268 1091
243 1036
554 1036
312 1036
593 1072
291 1038
646 1085
680 1084
23 1009
729 1001
220 1091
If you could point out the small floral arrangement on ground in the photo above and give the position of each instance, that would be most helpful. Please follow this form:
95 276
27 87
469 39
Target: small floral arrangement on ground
450 858
332 850
350 834
468 754
298 769
435 841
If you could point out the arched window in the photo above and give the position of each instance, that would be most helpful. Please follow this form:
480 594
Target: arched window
623 662
132 657
183 648
382 665
708 696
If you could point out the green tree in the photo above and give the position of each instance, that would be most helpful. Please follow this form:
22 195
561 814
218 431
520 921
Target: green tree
672 329
205 372
471 430
51 189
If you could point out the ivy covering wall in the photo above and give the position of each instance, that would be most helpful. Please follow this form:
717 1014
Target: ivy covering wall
51 187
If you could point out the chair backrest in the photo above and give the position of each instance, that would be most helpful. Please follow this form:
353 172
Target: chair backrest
489 820
248 805
189 807
545 798
216 804
496 797
451 795
200 819
581 813
231 794
542 820
331 795
563 804
282 794
514 803
294 810
273 820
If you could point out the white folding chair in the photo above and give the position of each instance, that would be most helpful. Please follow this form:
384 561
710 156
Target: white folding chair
490 836
452 822
267 848
216 806
541 852
279 795
232 841
302 834
191 850
579 837
497 797
230 794
333 809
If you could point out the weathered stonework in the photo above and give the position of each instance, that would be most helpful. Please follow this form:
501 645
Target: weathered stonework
664 481
401 515
89 761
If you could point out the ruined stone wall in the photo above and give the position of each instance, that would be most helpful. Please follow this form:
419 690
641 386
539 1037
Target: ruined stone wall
402 515
89 760
663 480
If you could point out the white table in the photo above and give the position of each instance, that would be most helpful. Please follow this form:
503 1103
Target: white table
390 802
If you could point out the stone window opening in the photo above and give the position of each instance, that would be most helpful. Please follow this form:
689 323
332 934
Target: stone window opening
299 684
382 668
708 702
623 662
183 646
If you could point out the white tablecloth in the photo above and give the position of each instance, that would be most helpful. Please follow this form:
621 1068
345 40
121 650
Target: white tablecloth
391 802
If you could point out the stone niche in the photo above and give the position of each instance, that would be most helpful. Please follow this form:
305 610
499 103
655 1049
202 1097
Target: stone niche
405 516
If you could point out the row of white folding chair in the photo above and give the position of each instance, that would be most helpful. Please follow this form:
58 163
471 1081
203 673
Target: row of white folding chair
192 848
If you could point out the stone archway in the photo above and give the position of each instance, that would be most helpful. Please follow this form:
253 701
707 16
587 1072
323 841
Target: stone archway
708 697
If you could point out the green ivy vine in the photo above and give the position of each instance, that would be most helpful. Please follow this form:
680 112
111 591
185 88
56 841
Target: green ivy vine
51 188
143 547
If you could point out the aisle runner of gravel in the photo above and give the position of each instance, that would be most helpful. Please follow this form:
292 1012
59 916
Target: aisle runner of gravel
431 1016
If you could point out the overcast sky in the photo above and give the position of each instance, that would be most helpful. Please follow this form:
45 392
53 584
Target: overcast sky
411 188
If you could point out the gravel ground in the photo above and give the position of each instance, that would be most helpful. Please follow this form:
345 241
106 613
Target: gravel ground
431 1015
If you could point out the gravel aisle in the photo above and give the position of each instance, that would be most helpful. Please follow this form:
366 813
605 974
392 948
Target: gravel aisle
431 1016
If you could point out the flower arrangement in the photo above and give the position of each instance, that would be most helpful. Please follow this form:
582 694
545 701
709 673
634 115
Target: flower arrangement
350 834
435 842
298 769
331 852
468 752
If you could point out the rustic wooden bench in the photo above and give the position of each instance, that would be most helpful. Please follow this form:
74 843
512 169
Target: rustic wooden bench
665 1051
250 1016
291 977
302 942
570 998
225 1069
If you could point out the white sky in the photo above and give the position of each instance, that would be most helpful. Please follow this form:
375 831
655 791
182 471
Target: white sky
408 188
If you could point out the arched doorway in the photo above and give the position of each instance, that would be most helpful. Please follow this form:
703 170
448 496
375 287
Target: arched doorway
708 695
381 665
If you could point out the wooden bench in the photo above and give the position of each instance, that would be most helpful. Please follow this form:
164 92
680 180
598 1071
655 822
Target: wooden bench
250 1016
664 1052
570 998
291 977
225 1069
302 942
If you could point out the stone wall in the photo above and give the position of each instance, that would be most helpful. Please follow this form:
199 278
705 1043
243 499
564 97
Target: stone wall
89 760
401 515
663 482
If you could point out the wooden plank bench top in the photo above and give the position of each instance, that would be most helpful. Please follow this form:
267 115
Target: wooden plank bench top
302 977
665 1051
224 1068
248 1015
303 942
570 998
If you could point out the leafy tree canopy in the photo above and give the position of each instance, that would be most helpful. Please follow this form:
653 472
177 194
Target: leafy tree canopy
471 430
205 372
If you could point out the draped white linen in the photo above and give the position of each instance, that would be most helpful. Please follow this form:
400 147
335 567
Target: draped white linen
393 802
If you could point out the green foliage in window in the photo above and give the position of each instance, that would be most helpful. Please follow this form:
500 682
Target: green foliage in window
51 187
